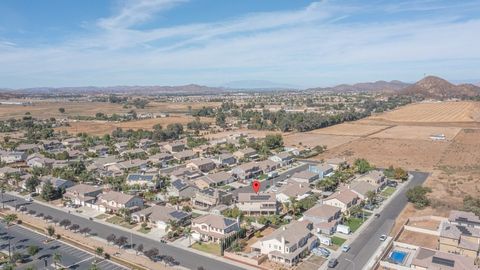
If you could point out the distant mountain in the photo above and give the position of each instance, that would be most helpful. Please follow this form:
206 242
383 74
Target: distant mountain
378 86
257 84
438 88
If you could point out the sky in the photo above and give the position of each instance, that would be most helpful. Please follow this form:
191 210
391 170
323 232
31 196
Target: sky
55 43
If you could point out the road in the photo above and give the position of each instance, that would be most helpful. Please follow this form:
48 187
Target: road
71 257
365 245
183 257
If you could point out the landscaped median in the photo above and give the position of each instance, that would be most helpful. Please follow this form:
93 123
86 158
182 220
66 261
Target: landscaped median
88 243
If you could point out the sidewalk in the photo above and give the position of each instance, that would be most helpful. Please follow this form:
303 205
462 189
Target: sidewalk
354 235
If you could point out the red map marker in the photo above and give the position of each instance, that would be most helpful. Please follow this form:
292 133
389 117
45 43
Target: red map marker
256 186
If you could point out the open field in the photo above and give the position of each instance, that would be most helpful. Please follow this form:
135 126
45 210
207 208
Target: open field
312 139
244 131
104 127
350 129
416 132
434 112
49 108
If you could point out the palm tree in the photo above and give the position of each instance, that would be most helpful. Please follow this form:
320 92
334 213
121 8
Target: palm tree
57 258
50 231
293 205
99 252
188 233
8 219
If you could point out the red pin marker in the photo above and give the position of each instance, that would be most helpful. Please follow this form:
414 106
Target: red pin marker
256 186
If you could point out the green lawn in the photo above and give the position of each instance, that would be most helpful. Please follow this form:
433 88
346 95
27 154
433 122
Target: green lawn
102 216
338 241
354 223
144 230
120 221
388 191
207 247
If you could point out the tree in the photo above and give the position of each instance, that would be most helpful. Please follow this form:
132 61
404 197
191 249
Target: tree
10 218
371 196
121 241
61 110
471 204
111 238
31 212
85 230
33 250
50 230
57 258
65 223
152 253
74 227
418 196
139 249
93 266
17 257
274 141
48 191
362 166
188 233
99 251
31 183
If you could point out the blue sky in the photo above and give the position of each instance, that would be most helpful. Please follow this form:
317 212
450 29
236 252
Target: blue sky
296 42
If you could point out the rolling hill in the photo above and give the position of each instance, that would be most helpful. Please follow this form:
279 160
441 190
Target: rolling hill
438 88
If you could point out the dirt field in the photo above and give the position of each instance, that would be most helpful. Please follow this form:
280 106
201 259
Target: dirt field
416 132
435 112
428 224
247 132
350 129
419 239
103 127
312 139
49 108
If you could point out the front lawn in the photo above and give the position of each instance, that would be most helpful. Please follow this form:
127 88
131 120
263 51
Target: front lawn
144 230
338 241
354 223
387 192
207 247
102 216
120 221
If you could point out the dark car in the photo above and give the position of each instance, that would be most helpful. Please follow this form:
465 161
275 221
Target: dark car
332 263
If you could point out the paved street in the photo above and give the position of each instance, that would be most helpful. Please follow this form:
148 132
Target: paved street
185 258
365 245
71 257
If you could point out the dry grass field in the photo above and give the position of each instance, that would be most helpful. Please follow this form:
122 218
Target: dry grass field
418 239
416 132
312 139
49 108
434 112
350 129
104 127
244 131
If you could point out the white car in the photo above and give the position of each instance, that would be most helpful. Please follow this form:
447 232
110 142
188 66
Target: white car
29 199
383 237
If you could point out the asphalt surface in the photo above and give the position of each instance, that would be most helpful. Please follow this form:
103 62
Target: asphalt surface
365 245
183 257
71 257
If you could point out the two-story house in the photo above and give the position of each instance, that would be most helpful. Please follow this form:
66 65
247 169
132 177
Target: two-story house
207 198
201 164
247 171
214 228
160 216
324 217
284 158
343 199
253 204
82 194
112 201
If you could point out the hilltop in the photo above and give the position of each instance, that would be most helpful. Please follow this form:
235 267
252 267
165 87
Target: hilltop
378 86
438 88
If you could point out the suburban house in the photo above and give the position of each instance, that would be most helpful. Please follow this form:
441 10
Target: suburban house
247 170
145 143
133 152
174 147
101 150
305 177
5 171
58 183
72 142
324 218
161 158
184 155
12 156
225 160
336 162
112 201
213 228
51 145
179 188
253 204
459 239
82 194
150 180
121 146
425 259
160 216
344 199
288 244
374 177
322 170
27 147
201 164
216 179
463 218
363 188
268 165
128 165
207 198
39 161
293 189
284 158
246 153
185 173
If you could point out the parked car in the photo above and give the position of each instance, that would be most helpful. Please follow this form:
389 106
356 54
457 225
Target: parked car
29 199
332 263
377 215
383 237
272 175
345 248
320 251
369 207
392 183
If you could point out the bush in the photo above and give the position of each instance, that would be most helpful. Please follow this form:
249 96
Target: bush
418 196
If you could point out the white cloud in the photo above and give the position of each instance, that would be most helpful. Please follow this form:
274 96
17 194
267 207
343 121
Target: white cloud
316 45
